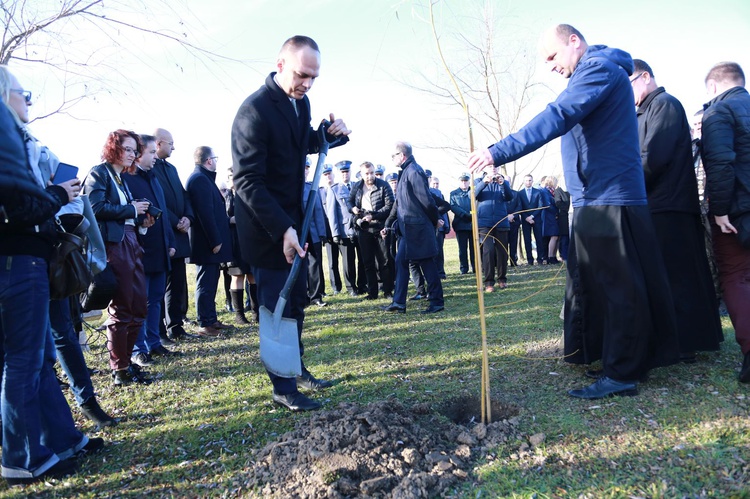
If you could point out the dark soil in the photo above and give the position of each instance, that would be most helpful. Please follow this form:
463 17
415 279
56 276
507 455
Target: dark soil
383 449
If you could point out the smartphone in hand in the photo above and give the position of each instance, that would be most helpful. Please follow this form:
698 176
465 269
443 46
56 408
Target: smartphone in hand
64 173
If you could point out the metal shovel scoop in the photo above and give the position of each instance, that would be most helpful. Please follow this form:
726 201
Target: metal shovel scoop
279 341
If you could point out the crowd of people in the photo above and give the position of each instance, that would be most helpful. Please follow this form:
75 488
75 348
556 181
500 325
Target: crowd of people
639 247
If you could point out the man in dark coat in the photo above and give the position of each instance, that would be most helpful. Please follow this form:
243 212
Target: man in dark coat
179 216
530 198
618 306
726 157
158 247
667 158
514 219
210 238
461 208
416 218
371 201
271 136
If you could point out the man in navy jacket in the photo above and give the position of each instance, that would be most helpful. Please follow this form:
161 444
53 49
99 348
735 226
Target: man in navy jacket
210 238
618 305
158 247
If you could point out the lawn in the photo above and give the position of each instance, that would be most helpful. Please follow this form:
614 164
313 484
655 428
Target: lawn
195 432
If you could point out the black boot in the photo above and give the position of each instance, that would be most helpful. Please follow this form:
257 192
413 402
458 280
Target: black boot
255 307
238 305
95 413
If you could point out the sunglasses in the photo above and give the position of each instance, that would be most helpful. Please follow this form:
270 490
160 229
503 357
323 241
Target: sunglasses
26 93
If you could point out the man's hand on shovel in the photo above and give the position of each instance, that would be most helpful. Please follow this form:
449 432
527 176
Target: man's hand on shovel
291 245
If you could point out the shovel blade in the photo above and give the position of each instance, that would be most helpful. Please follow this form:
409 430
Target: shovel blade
279 345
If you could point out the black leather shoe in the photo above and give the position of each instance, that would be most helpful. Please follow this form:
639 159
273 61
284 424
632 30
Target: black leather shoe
418 296
296 402
179 333
745 371
92 410
58 470
310 382
432 309
93 446
130 376
162 351
605 387
401 309
598 373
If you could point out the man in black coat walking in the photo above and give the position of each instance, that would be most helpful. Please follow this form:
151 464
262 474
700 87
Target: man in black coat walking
271 136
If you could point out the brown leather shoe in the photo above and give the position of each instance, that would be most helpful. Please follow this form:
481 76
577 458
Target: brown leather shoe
220 325
208 332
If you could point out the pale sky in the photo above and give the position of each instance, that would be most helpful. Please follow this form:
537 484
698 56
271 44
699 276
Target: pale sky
367 50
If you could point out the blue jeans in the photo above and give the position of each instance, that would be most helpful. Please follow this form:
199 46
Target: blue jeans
148 338
36 434
205 293
270 282
69 350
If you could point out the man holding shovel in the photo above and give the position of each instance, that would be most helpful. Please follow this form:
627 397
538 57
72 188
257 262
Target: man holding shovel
271 137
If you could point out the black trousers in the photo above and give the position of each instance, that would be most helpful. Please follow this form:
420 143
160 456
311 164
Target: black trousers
494 255
463 237
541 249
618 303
361 276
374 250
513 244
175 298
440 258
316 283
334 276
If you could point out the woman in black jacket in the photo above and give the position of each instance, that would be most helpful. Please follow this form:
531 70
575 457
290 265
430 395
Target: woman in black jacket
118 213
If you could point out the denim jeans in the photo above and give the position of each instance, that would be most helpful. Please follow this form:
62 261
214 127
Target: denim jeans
149 338
69 350
207 281
38 429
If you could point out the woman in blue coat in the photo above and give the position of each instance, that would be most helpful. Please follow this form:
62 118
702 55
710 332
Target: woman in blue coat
550 225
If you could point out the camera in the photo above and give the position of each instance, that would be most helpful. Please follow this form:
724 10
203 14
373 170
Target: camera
361 222
152 210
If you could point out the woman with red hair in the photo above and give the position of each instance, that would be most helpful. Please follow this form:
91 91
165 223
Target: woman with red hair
117 214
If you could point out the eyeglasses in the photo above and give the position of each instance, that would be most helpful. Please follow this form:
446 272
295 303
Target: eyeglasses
213 157
130 150
26 94
633 79
393 156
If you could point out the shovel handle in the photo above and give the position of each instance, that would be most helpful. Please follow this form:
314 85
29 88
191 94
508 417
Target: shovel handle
312 198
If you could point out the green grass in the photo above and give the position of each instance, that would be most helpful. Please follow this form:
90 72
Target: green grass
194 433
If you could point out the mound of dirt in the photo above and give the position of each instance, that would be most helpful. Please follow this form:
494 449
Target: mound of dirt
383 449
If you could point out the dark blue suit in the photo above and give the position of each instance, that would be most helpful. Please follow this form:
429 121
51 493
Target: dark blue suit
536 227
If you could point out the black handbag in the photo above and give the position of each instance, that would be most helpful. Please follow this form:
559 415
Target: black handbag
69 272
100 292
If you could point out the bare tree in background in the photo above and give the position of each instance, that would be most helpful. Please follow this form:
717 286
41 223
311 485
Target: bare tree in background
494 63
65 36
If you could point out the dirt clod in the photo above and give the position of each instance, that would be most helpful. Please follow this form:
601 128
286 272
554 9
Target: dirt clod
383 449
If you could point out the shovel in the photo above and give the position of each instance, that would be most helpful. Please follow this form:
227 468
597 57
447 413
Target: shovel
279 341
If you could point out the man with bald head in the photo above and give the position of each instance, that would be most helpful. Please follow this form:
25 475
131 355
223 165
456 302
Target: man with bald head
618 306
271 138
179 215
